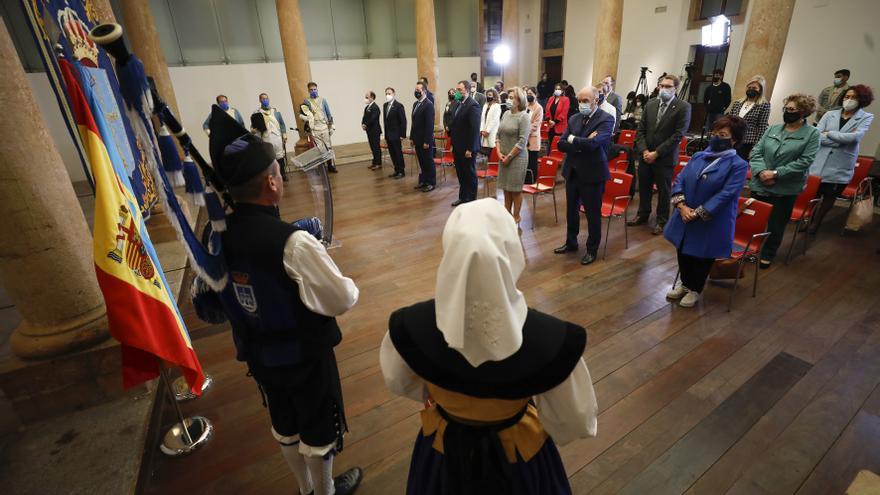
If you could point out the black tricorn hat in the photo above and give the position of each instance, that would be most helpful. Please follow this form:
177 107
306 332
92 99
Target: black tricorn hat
236 154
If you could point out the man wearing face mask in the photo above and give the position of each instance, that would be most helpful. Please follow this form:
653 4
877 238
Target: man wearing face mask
830 97
370 124
716 97
610 96
274 123
223 103
424 81
665 121
464 131
475 80
321 120
585 142
422 136
395 130
477 95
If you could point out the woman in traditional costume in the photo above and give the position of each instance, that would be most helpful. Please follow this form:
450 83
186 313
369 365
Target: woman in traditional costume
503 383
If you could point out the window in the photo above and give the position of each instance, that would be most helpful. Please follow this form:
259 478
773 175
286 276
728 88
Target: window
711 8
554 24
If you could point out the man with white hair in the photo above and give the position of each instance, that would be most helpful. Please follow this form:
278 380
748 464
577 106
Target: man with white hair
585 142
479 97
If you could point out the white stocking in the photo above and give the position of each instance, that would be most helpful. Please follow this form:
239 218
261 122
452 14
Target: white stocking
296 461
322 473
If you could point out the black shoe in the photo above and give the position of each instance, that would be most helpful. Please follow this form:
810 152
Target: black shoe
638 220
392 175
332 170
565 248
375 167
347 482
398 176
457 202
420 186
428 188
658 229
765 264
588 258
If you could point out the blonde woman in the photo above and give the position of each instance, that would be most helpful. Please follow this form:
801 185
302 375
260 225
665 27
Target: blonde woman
536 116
755 109
489 120
513 137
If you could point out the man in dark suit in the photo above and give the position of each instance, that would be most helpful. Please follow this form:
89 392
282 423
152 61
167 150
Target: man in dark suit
664 122
585 142
422 135
424 81
464 130
395 130
370 124
476 80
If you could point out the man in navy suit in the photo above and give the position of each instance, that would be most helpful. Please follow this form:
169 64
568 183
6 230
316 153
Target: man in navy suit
464 130
585 142
395 130
422 135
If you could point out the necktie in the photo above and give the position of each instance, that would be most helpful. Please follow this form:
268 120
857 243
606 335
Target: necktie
661 111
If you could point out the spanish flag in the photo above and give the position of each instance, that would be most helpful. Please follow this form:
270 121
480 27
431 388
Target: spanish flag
141 311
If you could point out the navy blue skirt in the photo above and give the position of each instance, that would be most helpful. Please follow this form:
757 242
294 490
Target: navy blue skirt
543 474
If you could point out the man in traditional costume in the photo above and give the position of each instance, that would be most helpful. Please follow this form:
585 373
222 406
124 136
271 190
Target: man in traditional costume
503 383
315 111
223 103
282 296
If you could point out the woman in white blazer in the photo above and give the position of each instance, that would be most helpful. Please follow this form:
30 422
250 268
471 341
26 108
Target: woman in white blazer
489 121
841 131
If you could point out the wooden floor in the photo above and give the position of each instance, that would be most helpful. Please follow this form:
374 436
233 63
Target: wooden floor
778 396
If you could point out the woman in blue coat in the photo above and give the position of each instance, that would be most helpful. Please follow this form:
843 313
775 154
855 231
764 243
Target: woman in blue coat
704 199
841 131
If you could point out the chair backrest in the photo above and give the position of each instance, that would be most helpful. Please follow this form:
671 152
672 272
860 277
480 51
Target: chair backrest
803 199
618 164
682 147
493 161
618 185
547 167
554 145
753 220
626 137
863 166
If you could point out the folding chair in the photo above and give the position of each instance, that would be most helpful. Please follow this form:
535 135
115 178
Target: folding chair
859 185
626 138
749 234
615 202
682 147
677 170
445 159
804 209
546 184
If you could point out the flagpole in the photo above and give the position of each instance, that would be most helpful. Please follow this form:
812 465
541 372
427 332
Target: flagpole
179 439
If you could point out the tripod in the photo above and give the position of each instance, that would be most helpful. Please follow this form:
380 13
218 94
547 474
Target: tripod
642 84
686 85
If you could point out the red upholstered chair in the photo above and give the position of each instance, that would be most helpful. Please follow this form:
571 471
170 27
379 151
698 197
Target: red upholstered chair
445 159
748 238
617 165
626 138
546 184
677 170
860 174
804 208
682 147
615 202
491 170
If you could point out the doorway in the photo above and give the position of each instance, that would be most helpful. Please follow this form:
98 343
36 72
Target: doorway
706 60
553 68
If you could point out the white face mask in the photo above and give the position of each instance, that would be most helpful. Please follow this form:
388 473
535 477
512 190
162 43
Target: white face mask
850 105
389 97
367 101
558 92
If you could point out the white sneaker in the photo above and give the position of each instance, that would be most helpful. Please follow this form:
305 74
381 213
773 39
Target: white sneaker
690 299
677 291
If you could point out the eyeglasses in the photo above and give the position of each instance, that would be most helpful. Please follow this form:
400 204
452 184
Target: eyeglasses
667 86
790 109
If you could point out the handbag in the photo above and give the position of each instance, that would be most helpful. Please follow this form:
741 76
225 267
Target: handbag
862 212
727 267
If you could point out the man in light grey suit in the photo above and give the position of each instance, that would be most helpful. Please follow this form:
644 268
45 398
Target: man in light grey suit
480 98
610 96
664 123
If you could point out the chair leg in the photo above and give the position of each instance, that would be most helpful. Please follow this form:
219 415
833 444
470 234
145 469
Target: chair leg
625 232
555 213
607 231
739 269
534 211
797 226
755 282
677 274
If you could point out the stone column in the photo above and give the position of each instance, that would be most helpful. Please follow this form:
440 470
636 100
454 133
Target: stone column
426 48
140 29
102 11
296 59
510 37
769 21
607 50
45 248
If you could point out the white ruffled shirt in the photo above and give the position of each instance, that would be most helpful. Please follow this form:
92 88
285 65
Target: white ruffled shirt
568 411
322 287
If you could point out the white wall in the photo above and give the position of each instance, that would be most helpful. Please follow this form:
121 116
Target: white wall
57 129
826 35
580 41
341 82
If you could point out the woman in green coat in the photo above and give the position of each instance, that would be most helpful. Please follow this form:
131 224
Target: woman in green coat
780 164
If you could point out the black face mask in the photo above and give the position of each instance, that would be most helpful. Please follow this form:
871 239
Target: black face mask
791 117
530 98
417 94
751 93
451 97
719 144
490 98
